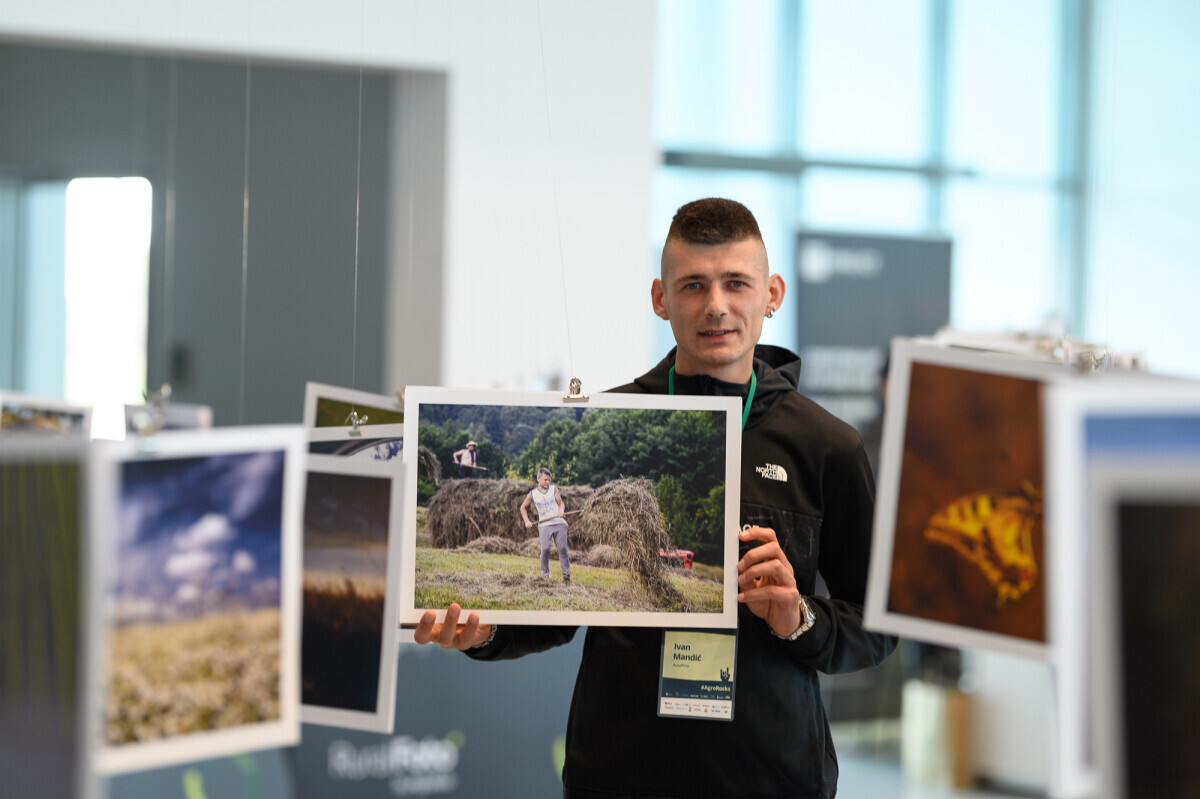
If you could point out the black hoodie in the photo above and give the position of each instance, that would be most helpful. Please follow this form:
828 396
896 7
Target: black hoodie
805 475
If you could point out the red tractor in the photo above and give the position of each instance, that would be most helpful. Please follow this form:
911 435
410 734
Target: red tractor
677 557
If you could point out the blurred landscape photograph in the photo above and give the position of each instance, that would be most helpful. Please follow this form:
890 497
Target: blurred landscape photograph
346 525
40 655
21 418
194 599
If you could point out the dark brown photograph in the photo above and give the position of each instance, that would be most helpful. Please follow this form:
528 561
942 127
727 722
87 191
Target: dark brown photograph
969 535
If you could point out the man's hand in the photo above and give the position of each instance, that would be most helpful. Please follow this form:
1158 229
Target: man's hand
450 634
766 582
528 524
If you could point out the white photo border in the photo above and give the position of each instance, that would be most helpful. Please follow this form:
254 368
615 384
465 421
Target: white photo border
1066 410
383 719
176 416
876 615
415 396
1112 482
108 458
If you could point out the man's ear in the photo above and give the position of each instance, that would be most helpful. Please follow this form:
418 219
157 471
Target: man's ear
656 298
776 288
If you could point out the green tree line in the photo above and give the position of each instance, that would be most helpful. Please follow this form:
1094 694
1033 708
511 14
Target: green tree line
682 452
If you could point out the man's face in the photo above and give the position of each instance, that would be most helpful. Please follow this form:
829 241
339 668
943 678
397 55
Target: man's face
544 481
715 297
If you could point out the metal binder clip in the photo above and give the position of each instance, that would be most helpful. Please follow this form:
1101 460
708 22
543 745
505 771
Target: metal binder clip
152 418
356 421
1086 357
575 387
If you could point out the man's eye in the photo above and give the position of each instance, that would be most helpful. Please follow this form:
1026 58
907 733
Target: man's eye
737 284
690 286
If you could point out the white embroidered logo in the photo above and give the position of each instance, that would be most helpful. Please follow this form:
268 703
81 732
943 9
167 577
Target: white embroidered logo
772 471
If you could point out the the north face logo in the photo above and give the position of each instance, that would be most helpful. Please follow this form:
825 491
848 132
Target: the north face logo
772 471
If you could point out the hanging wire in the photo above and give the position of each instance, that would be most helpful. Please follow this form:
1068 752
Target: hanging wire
357 204
562 268
168 289
245 241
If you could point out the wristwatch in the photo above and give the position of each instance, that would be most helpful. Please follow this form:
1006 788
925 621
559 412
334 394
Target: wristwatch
491 637
807 619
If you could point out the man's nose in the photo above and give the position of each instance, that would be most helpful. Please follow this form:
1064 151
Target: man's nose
716 304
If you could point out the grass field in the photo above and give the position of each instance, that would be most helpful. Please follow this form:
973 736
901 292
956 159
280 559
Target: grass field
512 582
192 676
341 641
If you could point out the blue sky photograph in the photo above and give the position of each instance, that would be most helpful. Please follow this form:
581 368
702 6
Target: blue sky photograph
198 535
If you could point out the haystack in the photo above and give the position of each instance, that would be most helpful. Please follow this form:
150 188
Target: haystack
625 514
470 508
604 556
429 468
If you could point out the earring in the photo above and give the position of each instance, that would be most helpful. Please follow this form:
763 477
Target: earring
770 312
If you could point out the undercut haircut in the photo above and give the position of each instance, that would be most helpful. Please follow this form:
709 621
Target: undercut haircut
713 220
546 472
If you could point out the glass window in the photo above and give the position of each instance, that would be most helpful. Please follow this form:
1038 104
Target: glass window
1003 86
864 77
718 76
107 271
1004 256
879 202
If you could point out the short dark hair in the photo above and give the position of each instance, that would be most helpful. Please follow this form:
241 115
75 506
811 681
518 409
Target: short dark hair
544 471
713 220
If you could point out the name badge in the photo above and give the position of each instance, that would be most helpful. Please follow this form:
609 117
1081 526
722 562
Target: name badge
697 676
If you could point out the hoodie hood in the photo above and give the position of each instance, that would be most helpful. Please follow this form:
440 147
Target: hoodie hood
776 369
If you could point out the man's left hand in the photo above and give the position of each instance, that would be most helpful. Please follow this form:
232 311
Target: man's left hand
766 582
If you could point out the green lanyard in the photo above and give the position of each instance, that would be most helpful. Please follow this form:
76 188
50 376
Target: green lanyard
749 397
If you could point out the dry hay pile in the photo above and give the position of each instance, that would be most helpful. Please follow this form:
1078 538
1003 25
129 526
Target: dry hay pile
491 545
429 468
625 514
465 509
603 556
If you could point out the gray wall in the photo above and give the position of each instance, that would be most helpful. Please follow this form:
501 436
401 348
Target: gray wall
181 123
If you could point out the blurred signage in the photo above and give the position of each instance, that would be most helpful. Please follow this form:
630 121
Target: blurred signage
854 293
454 732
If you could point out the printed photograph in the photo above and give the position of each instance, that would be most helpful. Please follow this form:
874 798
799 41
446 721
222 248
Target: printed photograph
380 443
332 406
526 508
44 750
23 415
352 519
1147 514
199 591
170 416
960 534
1123 417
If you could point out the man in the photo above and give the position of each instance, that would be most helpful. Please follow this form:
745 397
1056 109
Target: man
465 458
807 503
552 523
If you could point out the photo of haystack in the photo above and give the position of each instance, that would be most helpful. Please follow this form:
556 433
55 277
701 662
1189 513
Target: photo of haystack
570 508
349 510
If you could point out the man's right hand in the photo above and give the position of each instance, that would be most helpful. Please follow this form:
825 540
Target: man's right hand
450 634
